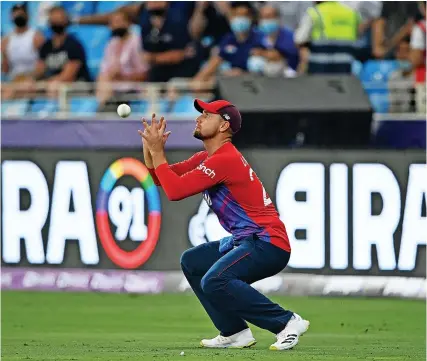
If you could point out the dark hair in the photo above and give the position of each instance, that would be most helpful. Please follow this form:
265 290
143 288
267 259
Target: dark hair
245 4
20 6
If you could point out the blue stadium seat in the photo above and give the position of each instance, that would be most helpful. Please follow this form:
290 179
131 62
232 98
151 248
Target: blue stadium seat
378 70
44 106
374 76
356 68
107 6
78 8
14 107
139 106
6 23
83 105
94 39
184 104
379 100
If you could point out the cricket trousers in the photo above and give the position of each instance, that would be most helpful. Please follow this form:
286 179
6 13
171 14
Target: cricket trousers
222 284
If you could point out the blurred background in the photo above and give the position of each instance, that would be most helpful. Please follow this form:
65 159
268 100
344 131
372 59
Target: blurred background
333 102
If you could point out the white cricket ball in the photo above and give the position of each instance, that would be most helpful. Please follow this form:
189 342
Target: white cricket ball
182 353
123 110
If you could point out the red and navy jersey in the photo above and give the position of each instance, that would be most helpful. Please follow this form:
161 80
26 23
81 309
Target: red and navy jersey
232 190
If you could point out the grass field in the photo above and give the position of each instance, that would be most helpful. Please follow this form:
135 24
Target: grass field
67 326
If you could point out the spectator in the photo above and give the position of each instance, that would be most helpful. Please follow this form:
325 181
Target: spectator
291 12
234 50
209 24
370 12
122 60
418 58
278 47
326 37
62 58
395 23
401 81
19 52
167 43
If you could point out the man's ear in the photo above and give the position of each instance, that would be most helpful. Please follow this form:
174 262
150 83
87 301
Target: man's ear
225 126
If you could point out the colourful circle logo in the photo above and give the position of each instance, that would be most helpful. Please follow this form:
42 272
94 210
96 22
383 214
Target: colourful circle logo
137 257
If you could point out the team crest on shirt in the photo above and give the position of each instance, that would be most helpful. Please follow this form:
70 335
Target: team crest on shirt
230 49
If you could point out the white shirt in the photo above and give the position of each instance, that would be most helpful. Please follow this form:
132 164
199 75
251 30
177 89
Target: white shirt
418 38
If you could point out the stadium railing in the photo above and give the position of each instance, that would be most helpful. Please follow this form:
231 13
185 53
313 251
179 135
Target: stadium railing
78 100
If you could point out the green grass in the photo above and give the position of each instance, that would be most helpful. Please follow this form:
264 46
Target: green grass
67 326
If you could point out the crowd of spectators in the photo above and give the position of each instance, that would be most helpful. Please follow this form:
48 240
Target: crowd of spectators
201 40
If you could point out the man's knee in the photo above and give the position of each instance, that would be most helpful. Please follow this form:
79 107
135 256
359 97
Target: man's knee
186 258
212 283
191 261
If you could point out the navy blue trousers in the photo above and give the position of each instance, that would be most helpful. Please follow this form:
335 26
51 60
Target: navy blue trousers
222 284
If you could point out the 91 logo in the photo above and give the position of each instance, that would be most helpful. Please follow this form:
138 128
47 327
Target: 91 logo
126 210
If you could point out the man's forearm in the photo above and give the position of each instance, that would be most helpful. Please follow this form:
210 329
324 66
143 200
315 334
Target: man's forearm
147 158
158 158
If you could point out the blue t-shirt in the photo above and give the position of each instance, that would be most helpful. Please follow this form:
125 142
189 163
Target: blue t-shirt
237 54
285 45
173 35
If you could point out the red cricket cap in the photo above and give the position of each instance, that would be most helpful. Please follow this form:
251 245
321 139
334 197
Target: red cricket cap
224 108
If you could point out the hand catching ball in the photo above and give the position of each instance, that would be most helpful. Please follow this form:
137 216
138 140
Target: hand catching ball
123 110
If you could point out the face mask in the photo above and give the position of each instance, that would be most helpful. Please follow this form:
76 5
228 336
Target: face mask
157 12
119 32
274 68
240 24
256 64
405 65
20 21
58 28
269 26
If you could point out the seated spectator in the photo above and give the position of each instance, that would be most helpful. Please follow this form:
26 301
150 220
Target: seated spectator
62 59
327 38
122 60
395 23
278 52
401 81
167 42
19 53
418 58
235 49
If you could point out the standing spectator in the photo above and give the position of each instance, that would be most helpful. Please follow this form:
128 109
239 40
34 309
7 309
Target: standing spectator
401 81
291 12
19 52
370 12
278 47
327 36
395 23
234 50
122 60
209 24
418 58
62 58
167 42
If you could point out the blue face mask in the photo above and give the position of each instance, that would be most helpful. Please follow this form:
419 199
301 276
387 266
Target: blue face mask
268 26
240 24
256 64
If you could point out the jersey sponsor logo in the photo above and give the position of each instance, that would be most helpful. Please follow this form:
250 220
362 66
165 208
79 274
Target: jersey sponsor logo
209 172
